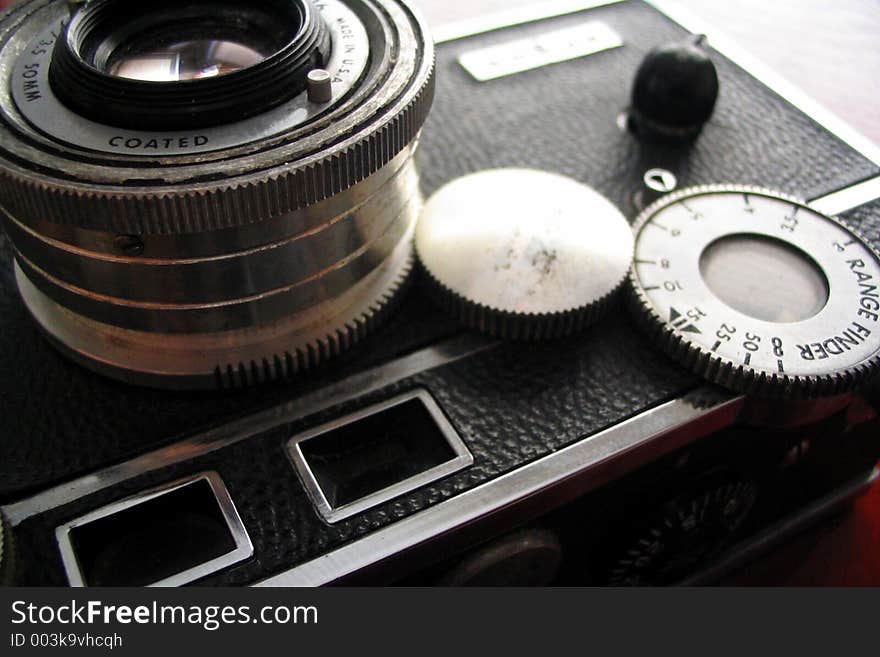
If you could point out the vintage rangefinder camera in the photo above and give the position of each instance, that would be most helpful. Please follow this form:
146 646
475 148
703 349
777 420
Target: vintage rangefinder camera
630 338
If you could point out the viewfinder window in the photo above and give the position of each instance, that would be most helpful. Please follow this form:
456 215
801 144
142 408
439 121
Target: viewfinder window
372 456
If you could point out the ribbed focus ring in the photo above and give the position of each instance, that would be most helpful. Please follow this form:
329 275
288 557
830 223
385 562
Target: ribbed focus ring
220 205
287 177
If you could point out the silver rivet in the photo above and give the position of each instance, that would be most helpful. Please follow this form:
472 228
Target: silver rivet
660 180
320 86
130 245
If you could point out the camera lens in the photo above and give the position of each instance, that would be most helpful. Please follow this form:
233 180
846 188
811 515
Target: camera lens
183 212
171 65
183 59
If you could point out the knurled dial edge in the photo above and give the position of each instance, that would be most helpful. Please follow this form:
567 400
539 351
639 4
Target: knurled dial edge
507 325
518 265
724 371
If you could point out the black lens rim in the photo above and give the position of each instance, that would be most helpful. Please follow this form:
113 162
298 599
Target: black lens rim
80 83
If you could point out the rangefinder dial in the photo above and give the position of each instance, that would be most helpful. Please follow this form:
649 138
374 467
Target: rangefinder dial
758 291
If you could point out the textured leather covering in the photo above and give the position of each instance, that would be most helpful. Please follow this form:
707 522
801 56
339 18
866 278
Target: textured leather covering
512 404
866 220
563 118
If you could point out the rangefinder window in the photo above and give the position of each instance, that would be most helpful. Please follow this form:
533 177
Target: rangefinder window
362 460
168 536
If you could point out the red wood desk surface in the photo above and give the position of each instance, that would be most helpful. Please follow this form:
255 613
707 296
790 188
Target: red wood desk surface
841 551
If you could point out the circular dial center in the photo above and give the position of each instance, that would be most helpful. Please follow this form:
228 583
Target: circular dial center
757 291
764 277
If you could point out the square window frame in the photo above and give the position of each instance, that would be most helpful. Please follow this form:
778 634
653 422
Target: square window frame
462 458
244 548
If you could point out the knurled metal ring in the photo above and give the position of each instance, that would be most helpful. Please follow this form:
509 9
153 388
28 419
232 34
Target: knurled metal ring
739 377
290 353
521 265
45 180
507 325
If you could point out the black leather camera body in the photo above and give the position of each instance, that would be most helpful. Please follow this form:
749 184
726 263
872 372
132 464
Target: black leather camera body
429 454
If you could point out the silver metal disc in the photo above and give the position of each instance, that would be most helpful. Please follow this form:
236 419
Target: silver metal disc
523 254
758 291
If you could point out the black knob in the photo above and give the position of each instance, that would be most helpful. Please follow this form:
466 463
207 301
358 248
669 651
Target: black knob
674 92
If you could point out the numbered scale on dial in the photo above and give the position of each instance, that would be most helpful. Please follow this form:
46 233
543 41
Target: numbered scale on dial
757 291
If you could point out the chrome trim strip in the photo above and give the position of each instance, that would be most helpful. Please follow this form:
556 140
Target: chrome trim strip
244 548
514 17
497 494
242 429
770 78
462 458
848 198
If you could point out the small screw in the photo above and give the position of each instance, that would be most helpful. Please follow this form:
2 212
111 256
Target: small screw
320 86
660 180
130 245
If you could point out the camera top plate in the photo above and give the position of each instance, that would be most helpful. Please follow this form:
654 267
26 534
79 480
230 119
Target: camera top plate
510 405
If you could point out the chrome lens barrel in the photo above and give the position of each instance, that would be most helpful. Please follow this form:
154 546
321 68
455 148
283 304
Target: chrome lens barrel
254 260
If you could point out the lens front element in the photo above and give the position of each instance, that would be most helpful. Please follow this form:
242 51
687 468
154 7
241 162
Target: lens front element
168 65
185 60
